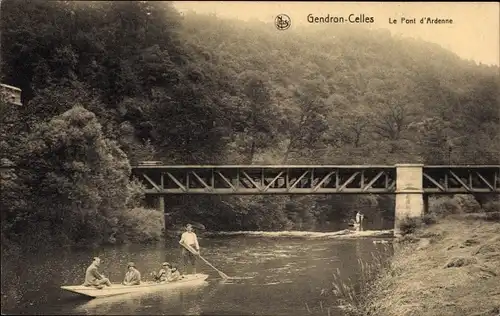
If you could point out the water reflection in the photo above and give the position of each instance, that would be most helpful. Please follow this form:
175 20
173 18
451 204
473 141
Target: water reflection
142 303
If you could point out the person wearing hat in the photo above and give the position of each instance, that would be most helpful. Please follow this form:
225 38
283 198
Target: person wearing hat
133 276
164 274
189 240
93 277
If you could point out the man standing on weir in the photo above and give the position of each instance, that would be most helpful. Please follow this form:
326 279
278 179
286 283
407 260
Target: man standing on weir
190 240
359 221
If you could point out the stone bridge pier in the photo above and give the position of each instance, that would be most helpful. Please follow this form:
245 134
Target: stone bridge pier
410 200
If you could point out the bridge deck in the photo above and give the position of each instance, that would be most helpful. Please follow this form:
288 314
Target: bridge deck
310 179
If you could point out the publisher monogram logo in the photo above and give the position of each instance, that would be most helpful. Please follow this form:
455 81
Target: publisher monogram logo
282 22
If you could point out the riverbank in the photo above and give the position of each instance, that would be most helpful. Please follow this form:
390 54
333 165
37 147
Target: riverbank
449 268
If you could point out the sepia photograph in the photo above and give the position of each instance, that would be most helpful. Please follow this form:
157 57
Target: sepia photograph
250 158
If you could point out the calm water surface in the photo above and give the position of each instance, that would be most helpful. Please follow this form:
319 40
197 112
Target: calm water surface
277 276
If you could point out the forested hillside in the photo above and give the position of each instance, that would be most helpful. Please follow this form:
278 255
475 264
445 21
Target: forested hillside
107 84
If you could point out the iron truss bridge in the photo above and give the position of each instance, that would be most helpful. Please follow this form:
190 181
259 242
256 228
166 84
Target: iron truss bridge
305 179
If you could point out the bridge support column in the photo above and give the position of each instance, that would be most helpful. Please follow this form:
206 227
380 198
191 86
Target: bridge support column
426 203
161 204
161 208
161 198
409 193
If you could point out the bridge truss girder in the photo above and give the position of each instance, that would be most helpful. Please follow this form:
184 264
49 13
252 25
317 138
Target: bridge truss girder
164 180
270 180
461 179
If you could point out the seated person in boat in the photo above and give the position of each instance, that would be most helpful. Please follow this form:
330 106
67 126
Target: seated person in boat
133 276
164 273
190 240
167 273
174 275
93 277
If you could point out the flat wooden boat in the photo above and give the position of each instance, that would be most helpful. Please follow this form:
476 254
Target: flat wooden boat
118 289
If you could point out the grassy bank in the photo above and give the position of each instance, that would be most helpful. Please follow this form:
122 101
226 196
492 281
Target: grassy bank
450 268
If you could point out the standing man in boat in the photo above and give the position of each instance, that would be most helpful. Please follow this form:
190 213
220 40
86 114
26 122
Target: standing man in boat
189 240
93 277
133 276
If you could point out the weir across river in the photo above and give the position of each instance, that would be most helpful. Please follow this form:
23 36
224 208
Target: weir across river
411 183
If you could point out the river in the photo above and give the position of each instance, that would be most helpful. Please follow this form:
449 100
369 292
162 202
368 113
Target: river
276 276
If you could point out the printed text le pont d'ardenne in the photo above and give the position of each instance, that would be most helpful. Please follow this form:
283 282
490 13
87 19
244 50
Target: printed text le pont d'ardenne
424 20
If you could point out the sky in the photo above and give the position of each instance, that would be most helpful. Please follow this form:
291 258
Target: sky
474 34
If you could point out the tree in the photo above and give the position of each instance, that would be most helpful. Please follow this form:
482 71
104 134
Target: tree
307 121
74 178
260 117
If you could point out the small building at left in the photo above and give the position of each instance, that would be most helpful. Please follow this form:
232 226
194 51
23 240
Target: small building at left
10 94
